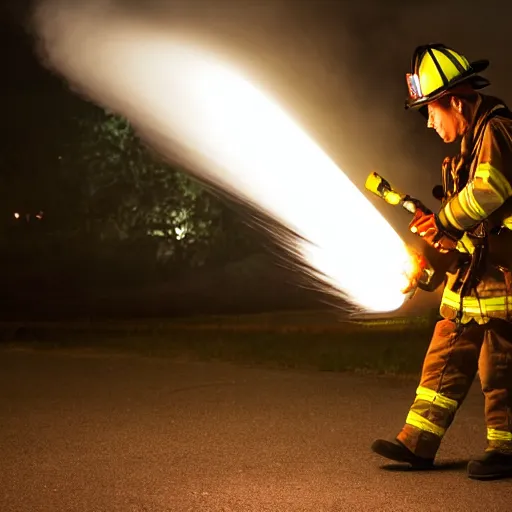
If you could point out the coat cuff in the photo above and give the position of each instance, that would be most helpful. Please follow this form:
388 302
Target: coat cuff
445 227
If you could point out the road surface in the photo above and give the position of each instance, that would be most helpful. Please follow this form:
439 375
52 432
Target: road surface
92 432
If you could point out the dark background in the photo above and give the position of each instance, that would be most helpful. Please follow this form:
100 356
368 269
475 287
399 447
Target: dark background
339 67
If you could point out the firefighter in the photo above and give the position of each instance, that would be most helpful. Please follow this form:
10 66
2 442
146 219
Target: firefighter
473 224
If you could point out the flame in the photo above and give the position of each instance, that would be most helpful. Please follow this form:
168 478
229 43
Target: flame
238 138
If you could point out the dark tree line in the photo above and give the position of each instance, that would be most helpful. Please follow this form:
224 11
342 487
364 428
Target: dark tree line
79 189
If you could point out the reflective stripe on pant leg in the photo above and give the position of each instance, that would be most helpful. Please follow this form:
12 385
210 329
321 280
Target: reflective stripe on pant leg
418 421
498 435
429 395
499 440
431 412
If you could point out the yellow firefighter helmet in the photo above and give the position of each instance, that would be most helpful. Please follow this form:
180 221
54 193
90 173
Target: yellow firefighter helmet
436 69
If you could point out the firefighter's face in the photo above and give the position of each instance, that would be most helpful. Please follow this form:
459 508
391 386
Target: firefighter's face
446 119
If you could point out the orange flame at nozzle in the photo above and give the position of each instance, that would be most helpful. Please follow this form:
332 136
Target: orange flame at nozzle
415 269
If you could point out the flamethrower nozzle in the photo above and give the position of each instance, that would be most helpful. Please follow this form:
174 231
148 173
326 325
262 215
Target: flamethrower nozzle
420 272
381 187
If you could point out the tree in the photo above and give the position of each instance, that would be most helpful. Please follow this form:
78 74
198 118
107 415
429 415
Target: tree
119 190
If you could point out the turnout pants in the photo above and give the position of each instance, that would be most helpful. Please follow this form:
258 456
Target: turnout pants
450 366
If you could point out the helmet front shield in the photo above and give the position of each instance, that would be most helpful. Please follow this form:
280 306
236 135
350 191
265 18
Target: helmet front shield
414 86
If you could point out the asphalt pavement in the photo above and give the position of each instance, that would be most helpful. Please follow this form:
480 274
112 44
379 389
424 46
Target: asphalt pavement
91 432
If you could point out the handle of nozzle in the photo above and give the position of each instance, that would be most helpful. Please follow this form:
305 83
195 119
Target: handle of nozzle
411 205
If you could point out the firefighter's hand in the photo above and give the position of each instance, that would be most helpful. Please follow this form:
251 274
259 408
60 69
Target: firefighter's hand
427 226
411 288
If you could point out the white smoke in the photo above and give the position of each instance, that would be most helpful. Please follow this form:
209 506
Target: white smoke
189 100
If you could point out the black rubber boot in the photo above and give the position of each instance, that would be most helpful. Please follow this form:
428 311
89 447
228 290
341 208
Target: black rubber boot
395 450
492 466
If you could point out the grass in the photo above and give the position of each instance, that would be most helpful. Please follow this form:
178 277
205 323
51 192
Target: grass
291 340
